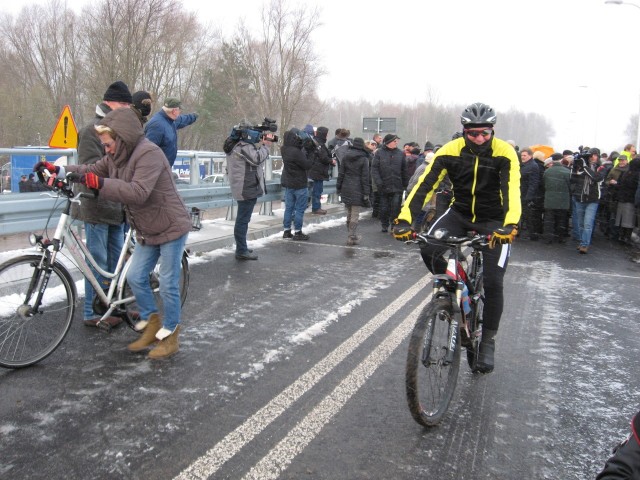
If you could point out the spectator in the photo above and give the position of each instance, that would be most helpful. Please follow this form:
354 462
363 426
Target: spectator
353 185
23 185
320 168
245 165
389 172
294 181
136 172
103 217
530 178
162 128
557 201
585 192
611 181
142 105
626 210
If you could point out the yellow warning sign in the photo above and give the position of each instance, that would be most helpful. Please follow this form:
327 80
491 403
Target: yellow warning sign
65 135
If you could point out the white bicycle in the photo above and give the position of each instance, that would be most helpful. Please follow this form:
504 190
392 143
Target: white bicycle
38 293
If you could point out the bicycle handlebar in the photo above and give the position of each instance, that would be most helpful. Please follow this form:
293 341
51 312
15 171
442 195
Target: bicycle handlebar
63 187
441 237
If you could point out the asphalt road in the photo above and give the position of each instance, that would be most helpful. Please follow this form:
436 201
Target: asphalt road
293 367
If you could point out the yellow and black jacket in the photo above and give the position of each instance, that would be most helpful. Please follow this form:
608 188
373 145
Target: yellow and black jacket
486 186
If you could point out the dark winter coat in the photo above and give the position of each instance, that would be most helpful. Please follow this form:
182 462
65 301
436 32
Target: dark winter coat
353 178
295 161
320 156
94 210
139 175
530 178
557 193
628 183
389 170
585 184
245 168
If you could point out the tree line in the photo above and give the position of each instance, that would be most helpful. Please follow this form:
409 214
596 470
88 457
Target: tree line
53 57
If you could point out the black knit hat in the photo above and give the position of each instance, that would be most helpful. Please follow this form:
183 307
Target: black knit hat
118 92
358 143
390 137
142 101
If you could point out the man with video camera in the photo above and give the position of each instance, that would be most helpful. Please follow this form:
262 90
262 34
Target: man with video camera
247 149
585 194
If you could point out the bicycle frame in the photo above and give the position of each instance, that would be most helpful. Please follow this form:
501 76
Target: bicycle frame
84 260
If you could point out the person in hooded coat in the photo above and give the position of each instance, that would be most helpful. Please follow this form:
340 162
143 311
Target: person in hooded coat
353 185
136 172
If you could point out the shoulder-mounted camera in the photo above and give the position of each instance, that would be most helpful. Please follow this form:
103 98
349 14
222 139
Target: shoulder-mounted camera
254 133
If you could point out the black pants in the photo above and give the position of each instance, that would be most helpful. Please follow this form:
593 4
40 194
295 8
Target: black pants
555 225
495 261
390 204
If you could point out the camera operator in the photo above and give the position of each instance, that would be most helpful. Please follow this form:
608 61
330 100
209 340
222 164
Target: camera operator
585 193
245 165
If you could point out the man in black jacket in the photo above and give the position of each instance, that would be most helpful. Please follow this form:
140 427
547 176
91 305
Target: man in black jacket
294 180
389 172
319 172
624 464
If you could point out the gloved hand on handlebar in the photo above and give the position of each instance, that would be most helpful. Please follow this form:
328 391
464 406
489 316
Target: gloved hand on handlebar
42 166
90 179
402 230
502 235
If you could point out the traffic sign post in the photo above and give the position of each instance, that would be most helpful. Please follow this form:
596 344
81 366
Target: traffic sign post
379 124
65 133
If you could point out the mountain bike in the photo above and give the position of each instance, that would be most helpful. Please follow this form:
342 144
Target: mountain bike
451 320
38 293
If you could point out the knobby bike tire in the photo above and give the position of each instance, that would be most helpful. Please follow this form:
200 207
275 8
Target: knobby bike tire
24 339
430 387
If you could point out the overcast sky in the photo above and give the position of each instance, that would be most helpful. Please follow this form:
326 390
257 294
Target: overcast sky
574 61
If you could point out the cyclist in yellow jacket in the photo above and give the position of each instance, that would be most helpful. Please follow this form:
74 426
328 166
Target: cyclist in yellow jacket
485 174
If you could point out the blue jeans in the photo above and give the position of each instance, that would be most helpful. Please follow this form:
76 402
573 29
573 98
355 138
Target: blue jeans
104 243
316 193
143 261
584 217
295 205
245 209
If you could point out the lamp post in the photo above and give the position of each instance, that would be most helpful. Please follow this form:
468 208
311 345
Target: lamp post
621 2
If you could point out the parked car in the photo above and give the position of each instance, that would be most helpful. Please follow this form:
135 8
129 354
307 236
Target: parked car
216 178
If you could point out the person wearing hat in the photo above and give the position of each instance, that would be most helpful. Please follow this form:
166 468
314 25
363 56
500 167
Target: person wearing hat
103 219
142 105
136 172
162 128
557 199
354 186
485 175
586 184
389 173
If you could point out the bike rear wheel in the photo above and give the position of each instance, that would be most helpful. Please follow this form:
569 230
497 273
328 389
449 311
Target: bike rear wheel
430 377
27 337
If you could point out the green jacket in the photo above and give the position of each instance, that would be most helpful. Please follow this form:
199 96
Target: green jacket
557 195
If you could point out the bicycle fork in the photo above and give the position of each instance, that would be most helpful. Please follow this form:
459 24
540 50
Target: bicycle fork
39 281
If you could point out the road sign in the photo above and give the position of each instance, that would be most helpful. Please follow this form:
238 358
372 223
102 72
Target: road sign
65 134
379 125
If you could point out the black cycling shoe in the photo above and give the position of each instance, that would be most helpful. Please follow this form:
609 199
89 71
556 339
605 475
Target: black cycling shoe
484 364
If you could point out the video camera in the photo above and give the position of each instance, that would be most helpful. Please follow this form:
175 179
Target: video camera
581 157
254 133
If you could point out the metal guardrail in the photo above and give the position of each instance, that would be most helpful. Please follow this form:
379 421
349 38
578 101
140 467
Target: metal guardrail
25 212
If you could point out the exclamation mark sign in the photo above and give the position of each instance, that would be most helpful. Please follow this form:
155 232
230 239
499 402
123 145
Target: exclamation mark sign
66 126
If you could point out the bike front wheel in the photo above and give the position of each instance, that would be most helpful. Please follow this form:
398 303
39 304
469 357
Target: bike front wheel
432 368
26 335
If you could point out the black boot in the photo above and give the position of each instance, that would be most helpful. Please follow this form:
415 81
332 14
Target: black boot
487 349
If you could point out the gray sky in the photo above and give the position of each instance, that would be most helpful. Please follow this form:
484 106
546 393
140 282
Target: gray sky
574 61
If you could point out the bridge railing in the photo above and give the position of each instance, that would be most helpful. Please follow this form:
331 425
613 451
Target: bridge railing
30 211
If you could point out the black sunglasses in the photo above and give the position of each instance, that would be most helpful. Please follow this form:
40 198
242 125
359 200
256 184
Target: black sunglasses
476 133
